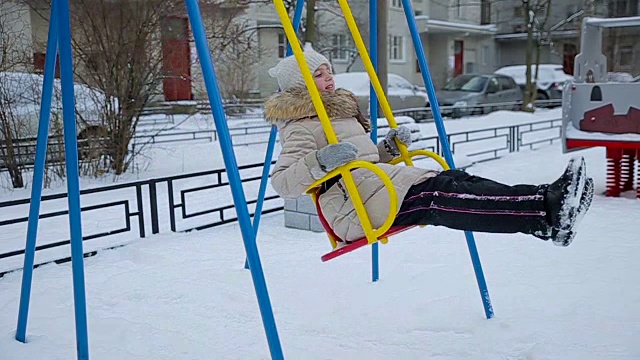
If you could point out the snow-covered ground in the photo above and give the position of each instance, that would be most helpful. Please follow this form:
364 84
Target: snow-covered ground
187 296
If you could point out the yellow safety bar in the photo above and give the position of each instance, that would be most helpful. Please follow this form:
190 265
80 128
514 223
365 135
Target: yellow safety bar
345 170
365 222
375 82
393 197
442 162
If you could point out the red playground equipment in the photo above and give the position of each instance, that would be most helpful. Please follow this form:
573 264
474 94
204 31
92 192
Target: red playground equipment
598 113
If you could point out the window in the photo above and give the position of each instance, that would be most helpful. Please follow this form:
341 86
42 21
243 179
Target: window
396 48
174 28
39 62
458 9
618 8
470 67
506 83
486 55
396 4
626 56
282 46
340 47
398 82
493 86
518 12
596 93
485 12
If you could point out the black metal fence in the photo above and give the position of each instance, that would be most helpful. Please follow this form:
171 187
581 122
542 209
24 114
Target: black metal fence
242 133
425 114
488 144
202 200
175 203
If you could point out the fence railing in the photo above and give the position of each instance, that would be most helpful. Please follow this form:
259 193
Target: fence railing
425 114
175 203
202 200
488 144
242 133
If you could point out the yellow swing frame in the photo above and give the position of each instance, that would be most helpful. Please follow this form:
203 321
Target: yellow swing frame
406 156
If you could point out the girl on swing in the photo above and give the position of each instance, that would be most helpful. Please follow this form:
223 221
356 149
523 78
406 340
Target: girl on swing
452 198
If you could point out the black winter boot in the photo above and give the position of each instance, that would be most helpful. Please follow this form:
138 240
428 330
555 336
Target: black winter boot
565 237
567 200
563 195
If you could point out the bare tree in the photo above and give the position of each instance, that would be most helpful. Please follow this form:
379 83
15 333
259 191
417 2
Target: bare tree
14 56
236 72
536 15
118 49
331 18
234 48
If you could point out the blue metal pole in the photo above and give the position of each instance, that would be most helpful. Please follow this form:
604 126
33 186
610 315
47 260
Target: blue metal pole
373 106
297 17
435 108
263 186
73 186
235 182
38 173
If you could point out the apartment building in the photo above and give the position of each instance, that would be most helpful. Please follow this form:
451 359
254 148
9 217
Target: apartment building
457 36
561 44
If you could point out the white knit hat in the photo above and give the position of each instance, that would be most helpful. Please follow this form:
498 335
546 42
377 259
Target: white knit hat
288 73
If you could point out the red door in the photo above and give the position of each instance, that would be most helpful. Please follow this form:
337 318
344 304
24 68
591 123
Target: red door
176 61
569 57
458 62
39 62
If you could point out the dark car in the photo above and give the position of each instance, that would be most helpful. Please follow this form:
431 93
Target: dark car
470 94
551 78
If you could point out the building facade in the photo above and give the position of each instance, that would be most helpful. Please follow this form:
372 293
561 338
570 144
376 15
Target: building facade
562 42
459 36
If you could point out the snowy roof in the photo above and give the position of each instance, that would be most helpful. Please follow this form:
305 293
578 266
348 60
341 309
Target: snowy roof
425 24
614 22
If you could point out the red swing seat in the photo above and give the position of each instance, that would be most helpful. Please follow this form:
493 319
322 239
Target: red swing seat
341 247
344 247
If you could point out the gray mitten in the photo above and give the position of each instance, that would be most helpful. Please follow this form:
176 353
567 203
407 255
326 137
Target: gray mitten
334 155
402 133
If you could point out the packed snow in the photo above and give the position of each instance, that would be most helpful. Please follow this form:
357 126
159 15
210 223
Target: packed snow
187 296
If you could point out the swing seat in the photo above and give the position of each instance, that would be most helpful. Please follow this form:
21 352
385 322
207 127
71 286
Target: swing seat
341 247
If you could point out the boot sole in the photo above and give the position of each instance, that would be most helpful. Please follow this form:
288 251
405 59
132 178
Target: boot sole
573 197
565 237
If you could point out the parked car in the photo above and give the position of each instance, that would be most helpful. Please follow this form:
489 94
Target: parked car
551 79
470 94
401 93
622 77
21 93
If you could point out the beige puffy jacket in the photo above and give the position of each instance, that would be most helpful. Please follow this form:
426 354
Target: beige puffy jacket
301 136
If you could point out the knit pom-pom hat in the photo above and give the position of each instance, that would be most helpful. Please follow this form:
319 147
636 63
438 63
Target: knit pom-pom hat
288 73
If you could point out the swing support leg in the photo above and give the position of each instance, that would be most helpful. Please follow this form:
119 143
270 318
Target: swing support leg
424 68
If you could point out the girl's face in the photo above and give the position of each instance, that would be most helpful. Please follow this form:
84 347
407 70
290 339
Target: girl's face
324 79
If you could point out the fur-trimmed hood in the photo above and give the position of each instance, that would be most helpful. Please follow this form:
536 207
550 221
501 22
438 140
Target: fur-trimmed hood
296 104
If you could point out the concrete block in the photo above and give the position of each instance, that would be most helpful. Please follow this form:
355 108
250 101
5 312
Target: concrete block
296 220
290 204
314 224
306 205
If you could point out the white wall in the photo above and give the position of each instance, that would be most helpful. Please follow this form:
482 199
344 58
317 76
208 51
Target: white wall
15 35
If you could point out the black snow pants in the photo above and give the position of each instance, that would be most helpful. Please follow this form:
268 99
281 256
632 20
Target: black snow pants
458 200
